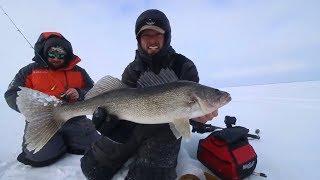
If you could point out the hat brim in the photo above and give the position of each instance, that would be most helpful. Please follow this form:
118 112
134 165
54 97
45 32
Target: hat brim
152 27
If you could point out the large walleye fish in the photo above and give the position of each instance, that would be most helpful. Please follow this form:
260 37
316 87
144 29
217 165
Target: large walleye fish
158 99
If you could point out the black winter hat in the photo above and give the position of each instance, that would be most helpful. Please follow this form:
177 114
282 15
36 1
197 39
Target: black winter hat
156 18
152 17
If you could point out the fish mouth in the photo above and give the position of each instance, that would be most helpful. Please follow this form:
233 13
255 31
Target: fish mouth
208 107
225 99
228 98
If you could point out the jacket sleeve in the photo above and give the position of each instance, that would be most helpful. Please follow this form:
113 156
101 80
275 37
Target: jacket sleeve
130 76
189 72
20 79
88 84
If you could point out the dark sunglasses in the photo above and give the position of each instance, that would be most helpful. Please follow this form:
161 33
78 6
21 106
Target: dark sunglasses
56 55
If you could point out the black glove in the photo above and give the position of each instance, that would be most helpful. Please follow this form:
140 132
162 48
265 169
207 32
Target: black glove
103 121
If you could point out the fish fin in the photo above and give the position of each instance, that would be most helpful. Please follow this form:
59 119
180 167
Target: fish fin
149 78
105 84
180 127
175 132
38 108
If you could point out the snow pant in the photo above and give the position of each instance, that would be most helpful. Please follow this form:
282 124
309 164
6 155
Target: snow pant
154 148
75 137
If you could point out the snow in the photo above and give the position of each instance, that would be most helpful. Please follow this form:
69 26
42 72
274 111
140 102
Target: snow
284 113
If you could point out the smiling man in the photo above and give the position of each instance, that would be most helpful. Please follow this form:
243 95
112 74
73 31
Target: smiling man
154 148
152 41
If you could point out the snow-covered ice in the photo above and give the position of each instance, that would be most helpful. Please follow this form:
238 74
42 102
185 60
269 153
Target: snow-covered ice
285 113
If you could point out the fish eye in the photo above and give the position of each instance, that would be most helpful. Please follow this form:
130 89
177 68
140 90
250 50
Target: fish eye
192 101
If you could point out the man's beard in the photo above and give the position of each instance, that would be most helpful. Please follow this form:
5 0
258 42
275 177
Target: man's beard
51 66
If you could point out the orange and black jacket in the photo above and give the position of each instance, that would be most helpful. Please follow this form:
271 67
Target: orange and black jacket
39 76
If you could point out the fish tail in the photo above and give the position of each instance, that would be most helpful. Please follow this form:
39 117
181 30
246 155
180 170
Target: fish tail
38 109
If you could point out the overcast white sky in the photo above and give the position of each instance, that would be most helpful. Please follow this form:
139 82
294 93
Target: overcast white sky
231 42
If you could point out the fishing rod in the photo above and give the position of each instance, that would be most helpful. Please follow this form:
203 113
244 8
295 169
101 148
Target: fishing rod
45 63
229 121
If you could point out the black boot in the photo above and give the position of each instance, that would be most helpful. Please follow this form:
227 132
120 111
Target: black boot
22 158
92 170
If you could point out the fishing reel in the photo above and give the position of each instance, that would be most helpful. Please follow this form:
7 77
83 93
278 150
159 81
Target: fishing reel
229 121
